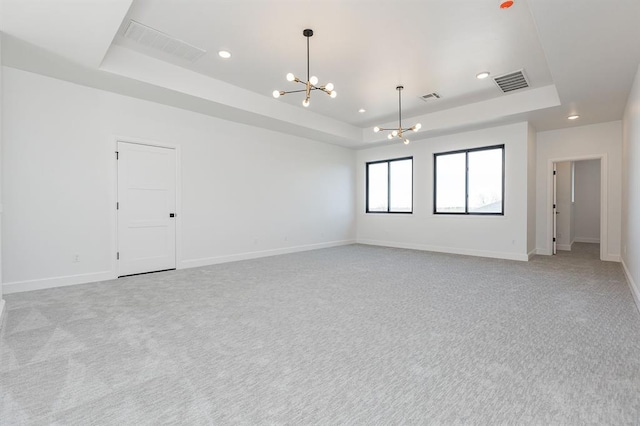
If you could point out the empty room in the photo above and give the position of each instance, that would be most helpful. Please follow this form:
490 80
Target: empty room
351 212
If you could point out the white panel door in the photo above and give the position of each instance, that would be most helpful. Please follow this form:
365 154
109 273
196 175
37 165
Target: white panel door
146 208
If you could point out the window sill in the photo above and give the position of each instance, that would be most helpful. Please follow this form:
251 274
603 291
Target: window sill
390 213
497 215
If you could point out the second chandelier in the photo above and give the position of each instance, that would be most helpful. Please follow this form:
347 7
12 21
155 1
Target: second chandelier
310 84
399 131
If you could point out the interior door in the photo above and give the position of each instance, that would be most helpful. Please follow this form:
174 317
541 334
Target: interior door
146 208
555 209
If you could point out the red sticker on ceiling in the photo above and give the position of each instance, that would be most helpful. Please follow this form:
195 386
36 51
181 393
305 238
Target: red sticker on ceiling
506 4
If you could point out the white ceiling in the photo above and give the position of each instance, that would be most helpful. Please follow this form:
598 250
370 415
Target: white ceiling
366 51
580 56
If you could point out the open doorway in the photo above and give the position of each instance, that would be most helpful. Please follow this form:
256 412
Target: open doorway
578 208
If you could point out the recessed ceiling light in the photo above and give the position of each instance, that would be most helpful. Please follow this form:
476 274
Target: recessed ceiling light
573 117
362 110
482 75
224 54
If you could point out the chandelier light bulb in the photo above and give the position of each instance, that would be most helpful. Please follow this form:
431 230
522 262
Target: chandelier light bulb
291 77
417 127
333 94
406 141
329 86
276 94
305 103
389 136
313 80
376 129
394 133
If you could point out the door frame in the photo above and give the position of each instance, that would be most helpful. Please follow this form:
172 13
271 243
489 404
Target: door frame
604 203
114 196
554 215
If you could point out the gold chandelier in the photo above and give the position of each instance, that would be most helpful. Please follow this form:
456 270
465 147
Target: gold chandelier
399 131
310 84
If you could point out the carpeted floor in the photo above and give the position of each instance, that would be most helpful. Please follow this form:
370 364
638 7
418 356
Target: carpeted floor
353 335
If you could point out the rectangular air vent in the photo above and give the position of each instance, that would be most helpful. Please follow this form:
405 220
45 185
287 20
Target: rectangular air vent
512 81
153 38
430 97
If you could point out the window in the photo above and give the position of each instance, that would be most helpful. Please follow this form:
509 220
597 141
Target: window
469 181
390 186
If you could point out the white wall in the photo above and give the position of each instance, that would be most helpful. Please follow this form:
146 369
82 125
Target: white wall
1 131
490 236
563 202
587 201
531 190
572 230
631 189
602 140
246 192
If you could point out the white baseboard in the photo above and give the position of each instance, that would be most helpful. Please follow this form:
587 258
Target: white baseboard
205 261
607 257
635 290
466 252
586 240
40 284
611 258
563 247
531 254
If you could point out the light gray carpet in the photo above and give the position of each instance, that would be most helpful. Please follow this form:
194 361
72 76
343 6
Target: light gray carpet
342 336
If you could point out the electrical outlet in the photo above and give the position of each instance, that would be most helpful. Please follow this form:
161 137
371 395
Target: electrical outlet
76 258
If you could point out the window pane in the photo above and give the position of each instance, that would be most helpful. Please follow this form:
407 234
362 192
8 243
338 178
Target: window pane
377 187
450 183
485 181
401 185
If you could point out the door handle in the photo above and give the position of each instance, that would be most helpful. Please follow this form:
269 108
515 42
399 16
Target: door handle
172 215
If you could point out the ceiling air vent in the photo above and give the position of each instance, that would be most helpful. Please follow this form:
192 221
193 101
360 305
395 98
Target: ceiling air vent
512 81
430 97
153 38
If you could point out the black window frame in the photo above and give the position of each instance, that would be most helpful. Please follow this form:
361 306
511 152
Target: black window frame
466 181
389 161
